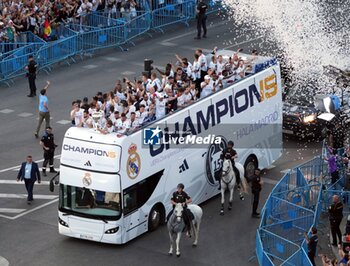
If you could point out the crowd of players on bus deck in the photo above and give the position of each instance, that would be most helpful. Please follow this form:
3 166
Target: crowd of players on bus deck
132 104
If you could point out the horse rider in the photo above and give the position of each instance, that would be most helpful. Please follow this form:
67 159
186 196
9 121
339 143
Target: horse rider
180 196
230 153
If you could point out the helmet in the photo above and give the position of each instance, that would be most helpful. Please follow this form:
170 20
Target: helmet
181 186
230 143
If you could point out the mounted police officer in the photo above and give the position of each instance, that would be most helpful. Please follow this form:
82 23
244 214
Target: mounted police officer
180 196
230 153
48 144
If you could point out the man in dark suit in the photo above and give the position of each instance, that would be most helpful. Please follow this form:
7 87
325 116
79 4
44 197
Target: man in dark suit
30 173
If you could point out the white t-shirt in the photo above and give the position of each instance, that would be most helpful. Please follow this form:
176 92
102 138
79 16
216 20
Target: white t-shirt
239 71
132 108
160 108
220 67
187 97
78 116
203 62
213 66
156 84
207 90
141 116
196 74
84 8
87 123
134 124
181 100
122 127
101 123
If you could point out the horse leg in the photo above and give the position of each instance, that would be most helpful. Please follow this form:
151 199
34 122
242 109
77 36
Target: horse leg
178 244
222 200
241 195
196 230
171 244
231 199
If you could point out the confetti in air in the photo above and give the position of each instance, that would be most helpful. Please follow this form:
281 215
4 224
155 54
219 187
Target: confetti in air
310 33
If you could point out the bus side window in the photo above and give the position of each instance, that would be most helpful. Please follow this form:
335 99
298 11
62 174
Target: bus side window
137 195
130 200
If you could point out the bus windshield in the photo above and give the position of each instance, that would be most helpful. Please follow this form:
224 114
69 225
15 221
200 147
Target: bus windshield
89 203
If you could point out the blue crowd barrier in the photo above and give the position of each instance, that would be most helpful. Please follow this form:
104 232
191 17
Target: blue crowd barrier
293 207
173 14
98 31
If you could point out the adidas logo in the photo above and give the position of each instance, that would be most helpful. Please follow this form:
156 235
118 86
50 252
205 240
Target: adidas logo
87 163
183 167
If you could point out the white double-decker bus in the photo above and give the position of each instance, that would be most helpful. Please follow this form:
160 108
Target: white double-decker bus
114 188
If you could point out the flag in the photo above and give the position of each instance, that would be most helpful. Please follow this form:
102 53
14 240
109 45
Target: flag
47 29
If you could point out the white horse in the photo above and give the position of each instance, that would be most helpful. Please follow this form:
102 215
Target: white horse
176 225
229 181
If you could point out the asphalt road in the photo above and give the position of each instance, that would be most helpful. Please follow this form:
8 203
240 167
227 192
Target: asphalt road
28 234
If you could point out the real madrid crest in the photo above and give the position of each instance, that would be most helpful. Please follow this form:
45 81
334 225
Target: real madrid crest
133 165
87 180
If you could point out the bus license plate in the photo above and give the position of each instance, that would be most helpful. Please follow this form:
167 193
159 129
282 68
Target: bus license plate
87 237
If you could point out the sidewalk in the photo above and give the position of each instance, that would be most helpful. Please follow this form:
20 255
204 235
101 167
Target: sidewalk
324 239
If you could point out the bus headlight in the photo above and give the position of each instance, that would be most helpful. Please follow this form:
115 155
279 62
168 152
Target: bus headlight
309 118
112 230
62 222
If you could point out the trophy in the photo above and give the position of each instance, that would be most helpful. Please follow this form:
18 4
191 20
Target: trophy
96 116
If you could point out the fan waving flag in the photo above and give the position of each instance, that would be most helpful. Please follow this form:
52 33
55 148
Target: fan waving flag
47 29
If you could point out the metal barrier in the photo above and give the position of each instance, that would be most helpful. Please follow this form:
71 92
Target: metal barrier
293 207
98 31
172 14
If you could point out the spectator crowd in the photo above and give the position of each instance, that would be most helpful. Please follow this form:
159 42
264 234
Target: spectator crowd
133 104
46 18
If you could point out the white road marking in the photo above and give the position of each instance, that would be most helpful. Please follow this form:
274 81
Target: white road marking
90 66
25 114
29 211
18 166
112 59
14 182
11 210
64 122
169 44
24 196
6 111
128 73
240 43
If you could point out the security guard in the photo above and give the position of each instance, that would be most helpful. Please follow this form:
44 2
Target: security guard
230 153
256 188
48 144
201 19
180 196
335 216
31 75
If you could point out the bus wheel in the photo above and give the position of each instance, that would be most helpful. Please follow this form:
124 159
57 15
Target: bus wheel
250 165
156 217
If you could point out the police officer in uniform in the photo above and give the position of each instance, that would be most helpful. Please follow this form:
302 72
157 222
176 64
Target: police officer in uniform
256 188
335 216
48 144
180 196
31 75
230 153
201 19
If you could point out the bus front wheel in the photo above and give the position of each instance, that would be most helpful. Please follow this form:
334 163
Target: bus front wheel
156 217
